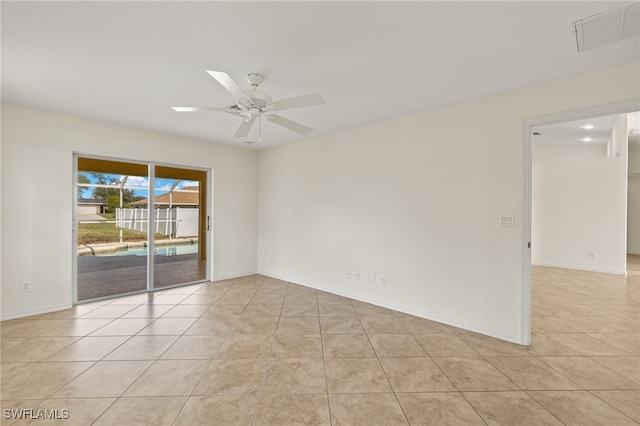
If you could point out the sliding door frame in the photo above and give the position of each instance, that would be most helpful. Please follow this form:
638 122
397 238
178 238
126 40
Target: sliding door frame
204 225
205 238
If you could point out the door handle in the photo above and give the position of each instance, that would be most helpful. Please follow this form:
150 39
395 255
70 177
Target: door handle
208 223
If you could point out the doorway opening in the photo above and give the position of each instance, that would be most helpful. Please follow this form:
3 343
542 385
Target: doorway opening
138 227
581 170
589 177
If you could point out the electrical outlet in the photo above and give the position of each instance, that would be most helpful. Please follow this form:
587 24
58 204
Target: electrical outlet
593 255
383 280
356 275
26 286
348 275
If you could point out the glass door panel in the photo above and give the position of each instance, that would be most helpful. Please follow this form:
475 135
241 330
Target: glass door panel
111 229
179 249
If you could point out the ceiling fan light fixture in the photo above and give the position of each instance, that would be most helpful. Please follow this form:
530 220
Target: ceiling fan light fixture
252 104
259 98
253 112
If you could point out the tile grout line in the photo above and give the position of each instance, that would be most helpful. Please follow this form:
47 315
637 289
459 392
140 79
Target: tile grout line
188 397
204 372
487 357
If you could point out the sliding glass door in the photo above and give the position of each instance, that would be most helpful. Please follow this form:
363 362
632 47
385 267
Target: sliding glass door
139 227
178 204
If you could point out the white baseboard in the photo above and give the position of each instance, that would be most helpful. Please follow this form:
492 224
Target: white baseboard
62 307
34 312
232 276
580 268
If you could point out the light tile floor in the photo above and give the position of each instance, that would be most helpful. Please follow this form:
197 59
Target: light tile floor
258 351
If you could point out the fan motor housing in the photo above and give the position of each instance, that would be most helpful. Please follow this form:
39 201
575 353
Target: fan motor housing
258 98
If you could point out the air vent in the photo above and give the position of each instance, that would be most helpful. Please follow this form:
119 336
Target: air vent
608 27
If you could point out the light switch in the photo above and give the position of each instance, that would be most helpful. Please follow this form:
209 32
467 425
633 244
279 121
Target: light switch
507 220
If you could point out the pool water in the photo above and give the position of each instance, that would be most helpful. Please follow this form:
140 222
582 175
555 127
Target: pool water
174 250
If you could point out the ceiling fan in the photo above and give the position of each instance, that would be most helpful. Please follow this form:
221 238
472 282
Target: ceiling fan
252 104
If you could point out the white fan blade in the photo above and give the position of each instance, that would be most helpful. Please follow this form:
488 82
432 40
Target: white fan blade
228 83
245 126
194 109
289 124
234 112
311 99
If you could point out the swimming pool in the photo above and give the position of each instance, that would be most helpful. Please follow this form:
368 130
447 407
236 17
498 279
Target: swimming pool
163 250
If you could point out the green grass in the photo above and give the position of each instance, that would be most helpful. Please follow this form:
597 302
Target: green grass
97 233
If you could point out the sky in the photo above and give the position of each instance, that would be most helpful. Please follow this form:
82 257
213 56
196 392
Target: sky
138 182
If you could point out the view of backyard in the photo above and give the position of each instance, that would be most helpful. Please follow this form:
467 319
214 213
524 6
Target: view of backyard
113 208
116 208
99 232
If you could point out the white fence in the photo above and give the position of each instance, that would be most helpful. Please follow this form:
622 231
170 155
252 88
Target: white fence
176 222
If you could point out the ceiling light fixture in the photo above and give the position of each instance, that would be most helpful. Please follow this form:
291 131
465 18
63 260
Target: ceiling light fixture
587 139
589 126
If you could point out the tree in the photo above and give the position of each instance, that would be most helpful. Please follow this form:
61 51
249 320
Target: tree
128 195
113 202
82 178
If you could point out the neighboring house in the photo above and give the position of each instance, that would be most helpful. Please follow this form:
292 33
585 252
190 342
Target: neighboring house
91 206
178 216
175 198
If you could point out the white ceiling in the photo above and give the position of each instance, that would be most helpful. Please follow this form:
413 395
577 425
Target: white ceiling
129 62
575 132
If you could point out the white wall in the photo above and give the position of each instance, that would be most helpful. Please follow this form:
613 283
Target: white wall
579 205
633 214
633 204
1 215
579 211
418 199
619 141
634 159
546 152
37 199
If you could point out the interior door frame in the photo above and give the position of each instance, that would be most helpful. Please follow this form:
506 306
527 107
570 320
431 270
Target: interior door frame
204 226
621 107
